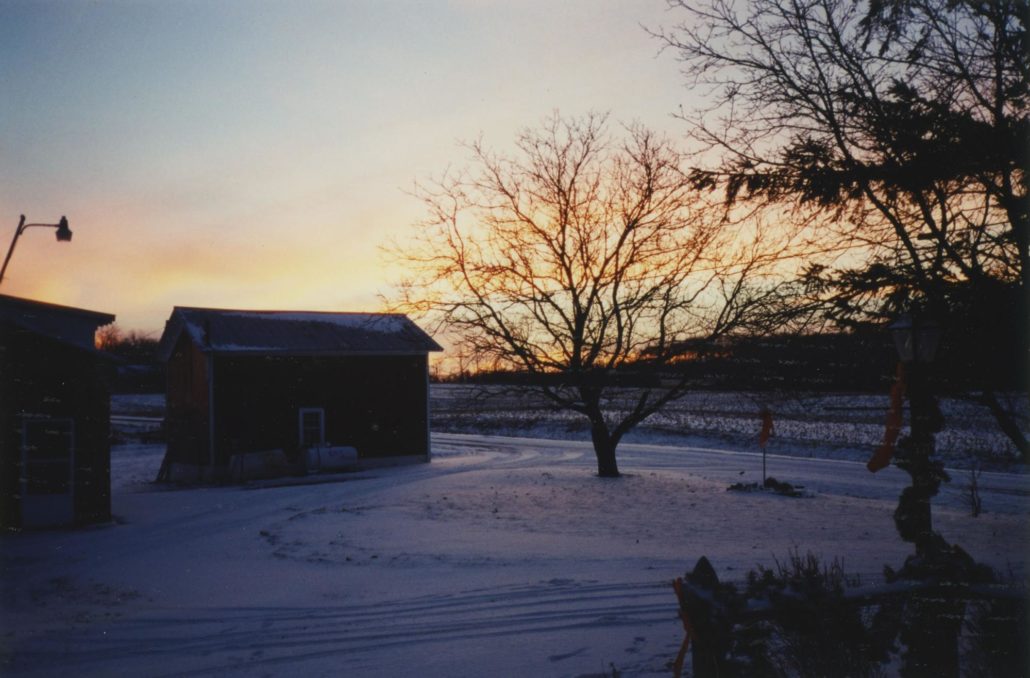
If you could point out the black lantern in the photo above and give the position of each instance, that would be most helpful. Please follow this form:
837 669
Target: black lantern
916 337
64 234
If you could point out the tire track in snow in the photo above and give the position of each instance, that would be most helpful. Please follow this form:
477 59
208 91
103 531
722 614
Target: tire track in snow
215 640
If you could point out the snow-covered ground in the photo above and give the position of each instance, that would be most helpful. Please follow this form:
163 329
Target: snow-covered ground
834 425
502 557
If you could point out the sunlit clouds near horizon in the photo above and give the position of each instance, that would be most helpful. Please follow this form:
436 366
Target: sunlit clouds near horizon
257 154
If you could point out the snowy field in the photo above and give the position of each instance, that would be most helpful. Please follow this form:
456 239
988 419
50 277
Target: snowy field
503 557
826 425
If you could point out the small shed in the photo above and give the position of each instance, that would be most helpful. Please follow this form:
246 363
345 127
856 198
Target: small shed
242 383
55 453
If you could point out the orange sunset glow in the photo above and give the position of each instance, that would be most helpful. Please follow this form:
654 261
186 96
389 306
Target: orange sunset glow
257 155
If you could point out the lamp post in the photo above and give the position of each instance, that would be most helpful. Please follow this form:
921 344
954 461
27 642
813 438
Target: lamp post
64 234
934 621
916 338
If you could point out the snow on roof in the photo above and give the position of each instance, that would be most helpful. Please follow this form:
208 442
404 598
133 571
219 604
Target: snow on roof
295 332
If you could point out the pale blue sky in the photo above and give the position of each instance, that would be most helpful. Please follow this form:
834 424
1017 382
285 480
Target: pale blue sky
254 154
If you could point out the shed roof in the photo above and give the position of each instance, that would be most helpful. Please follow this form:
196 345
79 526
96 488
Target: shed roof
67 324
223 331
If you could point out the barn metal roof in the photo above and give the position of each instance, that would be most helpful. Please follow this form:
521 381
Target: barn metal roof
223 331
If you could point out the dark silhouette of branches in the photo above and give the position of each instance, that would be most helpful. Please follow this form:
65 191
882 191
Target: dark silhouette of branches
584 259
899 126
133 345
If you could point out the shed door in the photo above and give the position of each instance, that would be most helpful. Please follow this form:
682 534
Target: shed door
48 467
312 427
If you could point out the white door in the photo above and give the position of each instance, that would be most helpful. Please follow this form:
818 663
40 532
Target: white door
312 427
48 469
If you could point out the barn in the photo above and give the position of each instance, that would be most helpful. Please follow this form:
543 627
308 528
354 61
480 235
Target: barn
246 389
55 453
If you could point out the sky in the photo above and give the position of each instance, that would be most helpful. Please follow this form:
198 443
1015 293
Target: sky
254 154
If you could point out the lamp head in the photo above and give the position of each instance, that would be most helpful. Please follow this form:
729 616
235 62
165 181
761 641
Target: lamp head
916 337
64 234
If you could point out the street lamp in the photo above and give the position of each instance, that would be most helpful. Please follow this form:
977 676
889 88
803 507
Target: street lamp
917 337
64 234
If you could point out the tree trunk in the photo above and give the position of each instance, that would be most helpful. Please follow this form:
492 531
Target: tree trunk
604 449
1007 424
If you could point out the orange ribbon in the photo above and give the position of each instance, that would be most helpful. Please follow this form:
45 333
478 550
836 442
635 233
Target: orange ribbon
767 427
882 456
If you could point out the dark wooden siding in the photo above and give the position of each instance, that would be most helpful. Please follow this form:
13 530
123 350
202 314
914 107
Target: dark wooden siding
377 404
186 422
42 377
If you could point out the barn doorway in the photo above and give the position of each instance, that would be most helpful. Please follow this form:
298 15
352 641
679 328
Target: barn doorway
48 472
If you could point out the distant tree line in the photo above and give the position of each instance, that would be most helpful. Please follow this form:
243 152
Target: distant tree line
859 362
136 368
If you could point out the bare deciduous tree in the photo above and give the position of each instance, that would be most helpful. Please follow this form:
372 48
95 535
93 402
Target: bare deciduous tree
585 262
